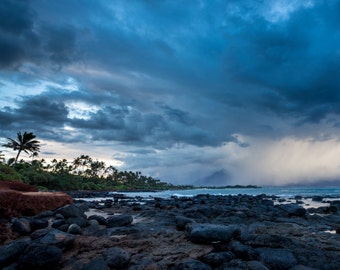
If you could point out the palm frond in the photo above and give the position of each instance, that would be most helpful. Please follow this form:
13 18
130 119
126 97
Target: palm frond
25 143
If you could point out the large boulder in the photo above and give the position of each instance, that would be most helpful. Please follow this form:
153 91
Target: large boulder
119 221
38 223
74 229
71 211
80 221
117 258
242 251
10 252
39 256
279 259
101 220
334 206
211 233
293 209
58 238
97 263
21 226
182 221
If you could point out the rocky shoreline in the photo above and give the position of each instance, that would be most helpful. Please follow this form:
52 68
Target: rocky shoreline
201 232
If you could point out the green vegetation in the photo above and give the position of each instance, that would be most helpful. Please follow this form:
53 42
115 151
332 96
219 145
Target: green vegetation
8 173
83 173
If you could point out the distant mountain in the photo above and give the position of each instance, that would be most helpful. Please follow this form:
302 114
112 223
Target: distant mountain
217 178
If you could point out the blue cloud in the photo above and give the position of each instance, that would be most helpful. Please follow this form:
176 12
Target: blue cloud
158 74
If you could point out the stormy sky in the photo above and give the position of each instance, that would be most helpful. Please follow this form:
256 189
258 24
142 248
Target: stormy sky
190 92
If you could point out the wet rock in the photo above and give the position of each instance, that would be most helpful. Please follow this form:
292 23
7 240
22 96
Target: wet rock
319 210
80 221
37 224
243 252
257 265
21 226
270 240
215 259
97 263
74 229
211 233
294 210
265 237
192 264
71 210
117 258
82 206
58 238
302 267
236 264
317 198
59 216
101 220
182 221
267 202
57 223
10 252
136 207
279 259
45 214
38 256
334 206
94 229
40 233
108 203
119 221
143 261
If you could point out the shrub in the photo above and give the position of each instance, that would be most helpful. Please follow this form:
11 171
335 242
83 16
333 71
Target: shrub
7 173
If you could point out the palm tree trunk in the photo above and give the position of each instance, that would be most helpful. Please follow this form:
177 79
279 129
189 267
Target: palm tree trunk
16 158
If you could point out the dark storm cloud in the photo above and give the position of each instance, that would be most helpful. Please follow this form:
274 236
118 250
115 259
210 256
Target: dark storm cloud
15 16
177 115
106 118
297 60
130 125
231 53
35 112
196 89
23 37
15 25
59 43
42 108
6 117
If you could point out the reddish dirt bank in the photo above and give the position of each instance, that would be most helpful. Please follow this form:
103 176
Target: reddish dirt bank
18 199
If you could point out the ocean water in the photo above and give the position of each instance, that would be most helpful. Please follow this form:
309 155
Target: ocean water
283 192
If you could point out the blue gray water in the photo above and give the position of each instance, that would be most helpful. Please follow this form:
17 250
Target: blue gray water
284 192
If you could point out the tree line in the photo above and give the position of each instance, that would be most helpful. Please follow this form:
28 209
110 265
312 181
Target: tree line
83 173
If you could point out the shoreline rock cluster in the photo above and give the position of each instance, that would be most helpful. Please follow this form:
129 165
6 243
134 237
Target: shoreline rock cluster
201 232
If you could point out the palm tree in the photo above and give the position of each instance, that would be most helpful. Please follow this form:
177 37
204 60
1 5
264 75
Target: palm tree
2 157
25 143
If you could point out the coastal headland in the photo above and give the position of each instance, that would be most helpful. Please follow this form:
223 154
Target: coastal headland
200 232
